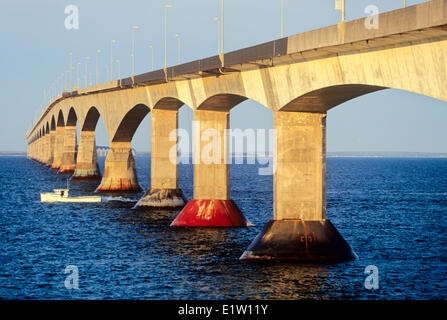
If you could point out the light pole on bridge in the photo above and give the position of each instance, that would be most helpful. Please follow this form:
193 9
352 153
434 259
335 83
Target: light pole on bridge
97 70
86 72
119 70
67 80
218 34
178 47
152 49
282 18
71 71
77 73
340 6
111 59
222 34
134 28
166 38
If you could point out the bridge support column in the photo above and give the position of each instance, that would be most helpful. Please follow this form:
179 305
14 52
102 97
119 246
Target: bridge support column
30 150
87 160
299 229
164 191
211 206
42 150
119 172
46 153
50 148
38 149
68 161
58 147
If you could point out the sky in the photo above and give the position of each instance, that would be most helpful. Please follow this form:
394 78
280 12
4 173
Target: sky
35 47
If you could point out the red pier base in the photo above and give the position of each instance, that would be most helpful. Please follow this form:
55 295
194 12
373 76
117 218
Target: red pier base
299 240
66 170
210 213
118 185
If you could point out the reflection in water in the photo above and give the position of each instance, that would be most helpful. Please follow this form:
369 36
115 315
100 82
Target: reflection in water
391 211
211 257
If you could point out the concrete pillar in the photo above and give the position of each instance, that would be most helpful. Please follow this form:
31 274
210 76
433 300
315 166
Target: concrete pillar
164 191
29 150
50 148
299 229
46 151
42 150
119 172
38 142
87 160
38 149
68 162
211 206
58 147
299 184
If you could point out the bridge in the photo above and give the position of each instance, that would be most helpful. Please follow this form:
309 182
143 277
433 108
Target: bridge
299 78
102 151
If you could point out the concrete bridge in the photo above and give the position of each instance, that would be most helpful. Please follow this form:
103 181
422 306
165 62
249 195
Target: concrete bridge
299 78
102 151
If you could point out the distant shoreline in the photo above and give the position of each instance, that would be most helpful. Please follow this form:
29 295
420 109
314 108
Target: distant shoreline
12 154
329 155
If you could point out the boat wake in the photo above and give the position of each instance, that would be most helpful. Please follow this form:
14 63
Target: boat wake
119 198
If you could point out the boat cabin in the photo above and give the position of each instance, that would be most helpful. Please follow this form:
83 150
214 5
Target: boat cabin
61 192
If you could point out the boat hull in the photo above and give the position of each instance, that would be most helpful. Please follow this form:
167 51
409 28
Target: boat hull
51 197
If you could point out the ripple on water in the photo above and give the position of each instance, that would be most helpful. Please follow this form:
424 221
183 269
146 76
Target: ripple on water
390 210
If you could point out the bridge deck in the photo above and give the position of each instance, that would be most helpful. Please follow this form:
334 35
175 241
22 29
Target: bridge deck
421 22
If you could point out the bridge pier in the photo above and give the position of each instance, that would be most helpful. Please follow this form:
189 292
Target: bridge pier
119 172
38 149
46 149
299 229
58 147
50 148
164 191
43 149
211 206
68 161
31 150
87 160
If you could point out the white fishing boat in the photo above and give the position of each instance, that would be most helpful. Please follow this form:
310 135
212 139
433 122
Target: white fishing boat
61 195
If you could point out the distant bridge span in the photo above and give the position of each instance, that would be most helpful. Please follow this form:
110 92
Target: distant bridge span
299 78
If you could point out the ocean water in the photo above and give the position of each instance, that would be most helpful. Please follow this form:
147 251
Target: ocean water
391 211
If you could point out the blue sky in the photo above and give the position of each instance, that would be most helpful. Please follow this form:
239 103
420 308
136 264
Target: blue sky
35 50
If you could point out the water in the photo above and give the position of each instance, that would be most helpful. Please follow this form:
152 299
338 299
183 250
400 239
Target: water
391 211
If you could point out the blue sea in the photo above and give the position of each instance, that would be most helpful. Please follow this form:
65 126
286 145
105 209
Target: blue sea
391 211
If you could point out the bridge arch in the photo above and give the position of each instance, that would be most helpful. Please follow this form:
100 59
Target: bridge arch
91 119
130 123
169 103
120 170
323 99
60 119
87 167
72 118
221 102
53 123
